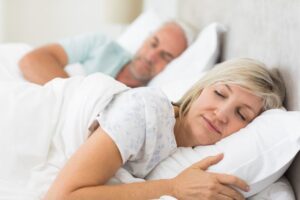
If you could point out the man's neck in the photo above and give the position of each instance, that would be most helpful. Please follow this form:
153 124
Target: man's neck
126 77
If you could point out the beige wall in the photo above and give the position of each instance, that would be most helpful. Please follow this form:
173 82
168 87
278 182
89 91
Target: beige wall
121 11
2 20
41 21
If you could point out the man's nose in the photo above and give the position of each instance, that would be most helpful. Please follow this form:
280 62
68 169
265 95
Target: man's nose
152 55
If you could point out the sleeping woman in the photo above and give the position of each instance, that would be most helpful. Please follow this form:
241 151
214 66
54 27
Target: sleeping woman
138 128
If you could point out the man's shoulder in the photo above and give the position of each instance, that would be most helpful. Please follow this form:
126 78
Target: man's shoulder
92 37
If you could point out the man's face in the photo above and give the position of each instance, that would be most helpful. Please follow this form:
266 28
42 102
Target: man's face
157 51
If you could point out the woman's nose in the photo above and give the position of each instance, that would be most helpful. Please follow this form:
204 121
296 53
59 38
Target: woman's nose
222 113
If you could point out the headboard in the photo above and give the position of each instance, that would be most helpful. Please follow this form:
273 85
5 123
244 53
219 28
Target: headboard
267 30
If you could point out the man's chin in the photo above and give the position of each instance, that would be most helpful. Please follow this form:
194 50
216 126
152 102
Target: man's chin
142 77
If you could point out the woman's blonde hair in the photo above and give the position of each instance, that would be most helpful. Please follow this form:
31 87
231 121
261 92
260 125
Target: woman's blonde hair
245 72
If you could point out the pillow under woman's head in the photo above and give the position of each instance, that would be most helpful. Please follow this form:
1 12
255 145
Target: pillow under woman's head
259 153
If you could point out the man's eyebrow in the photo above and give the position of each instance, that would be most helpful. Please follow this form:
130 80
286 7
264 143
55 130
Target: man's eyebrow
170 55
156 39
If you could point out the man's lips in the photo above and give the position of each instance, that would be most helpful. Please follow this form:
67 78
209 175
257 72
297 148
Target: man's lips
144 63
211 126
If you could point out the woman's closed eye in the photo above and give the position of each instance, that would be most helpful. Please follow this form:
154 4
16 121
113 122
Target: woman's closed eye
219 94
241 116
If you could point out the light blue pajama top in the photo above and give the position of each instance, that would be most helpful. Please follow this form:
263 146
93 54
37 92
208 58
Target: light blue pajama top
96 53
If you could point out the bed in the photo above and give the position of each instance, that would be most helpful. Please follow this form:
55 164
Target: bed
265 30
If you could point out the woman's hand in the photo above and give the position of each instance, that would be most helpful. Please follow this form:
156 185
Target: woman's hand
196 183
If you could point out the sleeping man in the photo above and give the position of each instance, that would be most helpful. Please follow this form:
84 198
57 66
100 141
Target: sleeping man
98 53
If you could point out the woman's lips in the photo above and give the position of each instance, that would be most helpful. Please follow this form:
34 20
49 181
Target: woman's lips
210 125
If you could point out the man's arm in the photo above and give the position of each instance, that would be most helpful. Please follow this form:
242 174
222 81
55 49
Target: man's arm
43 64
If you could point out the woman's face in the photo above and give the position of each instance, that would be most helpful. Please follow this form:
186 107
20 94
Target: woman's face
219 111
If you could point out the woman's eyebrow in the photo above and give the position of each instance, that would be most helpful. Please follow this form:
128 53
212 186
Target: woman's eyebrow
229 88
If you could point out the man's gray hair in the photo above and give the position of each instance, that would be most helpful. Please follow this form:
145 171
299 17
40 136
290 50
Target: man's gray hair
189 31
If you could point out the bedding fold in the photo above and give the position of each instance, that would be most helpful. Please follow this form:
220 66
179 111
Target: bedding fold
42 126
47 119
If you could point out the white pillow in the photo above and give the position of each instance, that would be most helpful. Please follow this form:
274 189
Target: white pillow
139 30
10 54
280 190
259 153
184 71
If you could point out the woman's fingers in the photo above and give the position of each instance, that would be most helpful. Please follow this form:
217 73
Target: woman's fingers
226 179
223 197
230 193
207 162
195 182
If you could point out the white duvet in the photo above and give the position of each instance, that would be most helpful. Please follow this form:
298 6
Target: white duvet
42 126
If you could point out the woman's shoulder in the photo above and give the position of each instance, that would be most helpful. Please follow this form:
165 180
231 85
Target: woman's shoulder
151 96
141 103
148 92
